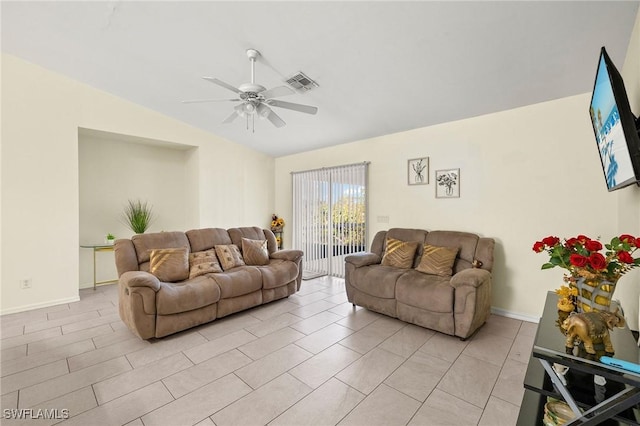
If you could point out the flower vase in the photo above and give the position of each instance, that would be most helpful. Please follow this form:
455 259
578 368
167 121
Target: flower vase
593 295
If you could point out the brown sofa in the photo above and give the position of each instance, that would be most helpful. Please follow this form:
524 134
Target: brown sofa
456 305
153 308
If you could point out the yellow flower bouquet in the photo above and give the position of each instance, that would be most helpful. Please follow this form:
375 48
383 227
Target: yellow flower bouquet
277 223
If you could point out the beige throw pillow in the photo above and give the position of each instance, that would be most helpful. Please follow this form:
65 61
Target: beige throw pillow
399 254
171 264
229 256
255 252
203 262
438 260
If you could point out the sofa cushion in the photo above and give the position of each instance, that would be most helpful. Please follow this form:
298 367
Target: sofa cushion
203 262
377 280
255 252
466 241
437 260
399 254
425 291
278 273
253 233
238 281
170 264
207 238
229 256
173 298
157 240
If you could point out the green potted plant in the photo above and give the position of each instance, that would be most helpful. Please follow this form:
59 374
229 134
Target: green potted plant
138 216
110 238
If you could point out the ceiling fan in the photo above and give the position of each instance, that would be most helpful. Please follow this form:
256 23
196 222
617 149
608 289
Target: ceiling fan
256 99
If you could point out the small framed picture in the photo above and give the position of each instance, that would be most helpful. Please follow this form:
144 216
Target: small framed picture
418 171
448 183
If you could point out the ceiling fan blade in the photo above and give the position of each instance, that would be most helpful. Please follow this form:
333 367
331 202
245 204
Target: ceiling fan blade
307 109
223 84
230 118
275 119
277 92
193 101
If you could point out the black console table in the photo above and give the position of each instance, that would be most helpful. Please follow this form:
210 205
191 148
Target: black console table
602 394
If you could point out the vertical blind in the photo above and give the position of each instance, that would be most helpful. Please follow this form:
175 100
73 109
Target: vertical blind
330 216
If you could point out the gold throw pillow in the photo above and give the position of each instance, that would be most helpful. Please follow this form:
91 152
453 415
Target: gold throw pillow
203 262
399 254
255 252
438 260
229 256
170 264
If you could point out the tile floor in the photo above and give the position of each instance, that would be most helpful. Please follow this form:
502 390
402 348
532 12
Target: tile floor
311 359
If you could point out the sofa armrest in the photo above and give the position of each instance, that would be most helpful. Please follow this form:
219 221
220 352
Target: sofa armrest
140 279
288 254
473 277
363 259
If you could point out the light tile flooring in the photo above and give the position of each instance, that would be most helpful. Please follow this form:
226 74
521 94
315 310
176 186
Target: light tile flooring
310 359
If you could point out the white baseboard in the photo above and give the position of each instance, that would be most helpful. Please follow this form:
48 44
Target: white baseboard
39 305
514 315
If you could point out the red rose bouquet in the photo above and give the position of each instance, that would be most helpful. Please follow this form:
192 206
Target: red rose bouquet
582 257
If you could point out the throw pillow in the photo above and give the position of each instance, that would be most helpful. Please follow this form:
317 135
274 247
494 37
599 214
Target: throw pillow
170 264
229 256
255 252
399 254
203 262
438 260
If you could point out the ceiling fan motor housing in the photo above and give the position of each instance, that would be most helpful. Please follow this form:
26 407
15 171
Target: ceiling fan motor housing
252 88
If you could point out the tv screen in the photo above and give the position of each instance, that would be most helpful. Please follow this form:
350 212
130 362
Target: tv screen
614 126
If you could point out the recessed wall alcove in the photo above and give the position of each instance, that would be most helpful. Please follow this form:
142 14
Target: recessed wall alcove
113 168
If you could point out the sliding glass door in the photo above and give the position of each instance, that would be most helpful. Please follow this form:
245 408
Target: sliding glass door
330 216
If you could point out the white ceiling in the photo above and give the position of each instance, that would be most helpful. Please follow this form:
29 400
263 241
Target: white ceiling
382 67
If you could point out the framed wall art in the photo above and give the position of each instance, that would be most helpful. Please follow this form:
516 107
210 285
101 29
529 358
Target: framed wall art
448 183
418 171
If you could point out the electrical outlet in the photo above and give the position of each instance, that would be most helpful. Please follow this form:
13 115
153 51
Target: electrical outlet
383 219
26 283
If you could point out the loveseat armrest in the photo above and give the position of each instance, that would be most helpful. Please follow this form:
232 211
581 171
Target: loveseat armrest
140 279
363 259
288 254
473 277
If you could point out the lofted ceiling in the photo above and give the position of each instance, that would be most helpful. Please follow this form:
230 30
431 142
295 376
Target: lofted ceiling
382 67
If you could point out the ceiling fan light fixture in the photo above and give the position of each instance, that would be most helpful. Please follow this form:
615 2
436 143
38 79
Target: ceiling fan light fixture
249 108
263 110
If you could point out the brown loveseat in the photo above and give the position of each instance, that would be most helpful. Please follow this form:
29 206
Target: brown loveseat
453 296
154 308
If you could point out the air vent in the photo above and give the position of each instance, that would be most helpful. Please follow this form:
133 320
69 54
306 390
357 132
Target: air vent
301 82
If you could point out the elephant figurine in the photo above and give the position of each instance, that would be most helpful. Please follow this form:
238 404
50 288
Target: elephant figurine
592 327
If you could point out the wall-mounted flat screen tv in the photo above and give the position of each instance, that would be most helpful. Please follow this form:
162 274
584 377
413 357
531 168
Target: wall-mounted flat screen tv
615 127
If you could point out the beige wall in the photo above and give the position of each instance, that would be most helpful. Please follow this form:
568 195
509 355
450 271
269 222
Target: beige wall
41 116
525 174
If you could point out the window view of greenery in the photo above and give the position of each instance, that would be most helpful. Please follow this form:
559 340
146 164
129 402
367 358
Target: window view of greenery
346 220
